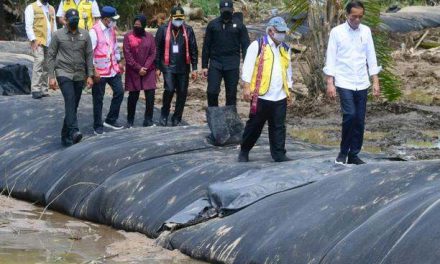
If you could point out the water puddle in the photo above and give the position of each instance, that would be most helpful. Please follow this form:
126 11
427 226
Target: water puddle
28 237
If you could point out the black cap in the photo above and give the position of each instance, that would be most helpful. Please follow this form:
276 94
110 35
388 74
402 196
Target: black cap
177 12
226 5
72 13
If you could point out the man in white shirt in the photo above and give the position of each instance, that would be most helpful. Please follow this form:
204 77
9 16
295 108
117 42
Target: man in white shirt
108 70
40 24
267 78
351 61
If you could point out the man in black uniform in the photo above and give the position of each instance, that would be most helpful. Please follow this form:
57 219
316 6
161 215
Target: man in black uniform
176 52
225 37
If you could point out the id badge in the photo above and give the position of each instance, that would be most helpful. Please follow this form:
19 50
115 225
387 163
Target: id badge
175 48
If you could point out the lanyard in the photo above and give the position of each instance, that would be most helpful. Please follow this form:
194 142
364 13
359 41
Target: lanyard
175 36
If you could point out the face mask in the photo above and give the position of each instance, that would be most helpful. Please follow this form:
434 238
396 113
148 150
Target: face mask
138 31
112 24
177 23
226 15
280 37
73 22
44 2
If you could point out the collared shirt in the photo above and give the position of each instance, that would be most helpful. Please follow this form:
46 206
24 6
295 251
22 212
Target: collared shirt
276 91
71 55
95 9
107 33
29 18
223 43
351 57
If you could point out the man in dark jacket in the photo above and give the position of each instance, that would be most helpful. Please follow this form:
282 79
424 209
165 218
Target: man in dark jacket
225 37
176 53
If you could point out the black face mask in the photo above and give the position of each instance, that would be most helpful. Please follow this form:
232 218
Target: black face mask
73 23
226 15
138 31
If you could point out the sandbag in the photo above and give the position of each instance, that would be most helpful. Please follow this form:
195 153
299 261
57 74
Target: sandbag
15 80
225 125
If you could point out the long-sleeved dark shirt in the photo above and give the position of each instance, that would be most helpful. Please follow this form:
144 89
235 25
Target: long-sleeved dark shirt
223 43
70 55
177 60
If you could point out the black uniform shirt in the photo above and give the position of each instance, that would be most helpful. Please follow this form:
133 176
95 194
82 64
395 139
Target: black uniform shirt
223 43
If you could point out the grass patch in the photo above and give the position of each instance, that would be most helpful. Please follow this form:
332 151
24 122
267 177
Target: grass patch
420 144
374 136
208 7
316 135
372 149
419 97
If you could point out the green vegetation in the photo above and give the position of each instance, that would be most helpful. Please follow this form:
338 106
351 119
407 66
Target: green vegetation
209 7
327 14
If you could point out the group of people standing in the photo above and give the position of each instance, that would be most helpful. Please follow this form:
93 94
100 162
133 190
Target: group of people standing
85 52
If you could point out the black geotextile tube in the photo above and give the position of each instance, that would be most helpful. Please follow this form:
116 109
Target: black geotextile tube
14 80
152 179
375 213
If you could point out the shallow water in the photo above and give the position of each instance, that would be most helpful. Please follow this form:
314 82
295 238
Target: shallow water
27 236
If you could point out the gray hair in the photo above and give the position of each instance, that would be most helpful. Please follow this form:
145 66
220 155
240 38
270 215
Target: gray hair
268 28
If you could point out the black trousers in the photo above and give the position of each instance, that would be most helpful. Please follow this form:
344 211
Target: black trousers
174 83
353 106
275 114
71 91
133 97
230 77
98 92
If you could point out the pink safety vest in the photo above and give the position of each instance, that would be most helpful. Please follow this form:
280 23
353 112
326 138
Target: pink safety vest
104 55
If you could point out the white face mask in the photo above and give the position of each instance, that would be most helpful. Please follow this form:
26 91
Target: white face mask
280 37
177 23
112 24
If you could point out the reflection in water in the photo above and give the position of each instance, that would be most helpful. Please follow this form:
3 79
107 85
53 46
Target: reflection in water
56 238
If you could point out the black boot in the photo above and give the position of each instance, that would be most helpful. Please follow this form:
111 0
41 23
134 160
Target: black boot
163 121
243 156
148 123
283 159
76 137
37 95
175 122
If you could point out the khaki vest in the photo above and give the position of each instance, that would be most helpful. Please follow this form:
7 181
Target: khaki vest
268 61
84 9
40 23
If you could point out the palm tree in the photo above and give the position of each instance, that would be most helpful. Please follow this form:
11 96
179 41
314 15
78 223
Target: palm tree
322 16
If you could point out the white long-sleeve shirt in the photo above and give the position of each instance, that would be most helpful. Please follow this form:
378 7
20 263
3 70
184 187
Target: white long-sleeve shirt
107 32
29 22
276 91
351 57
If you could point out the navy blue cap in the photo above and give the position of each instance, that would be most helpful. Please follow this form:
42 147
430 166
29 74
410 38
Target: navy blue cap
71 13
109 11
226 5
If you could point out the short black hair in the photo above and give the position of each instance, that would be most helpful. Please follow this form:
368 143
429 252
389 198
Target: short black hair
354 4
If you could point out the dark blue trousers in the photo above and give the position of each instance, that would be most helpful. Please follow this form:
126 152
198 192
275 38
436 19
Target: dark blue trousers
98 92
71 91
353 106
